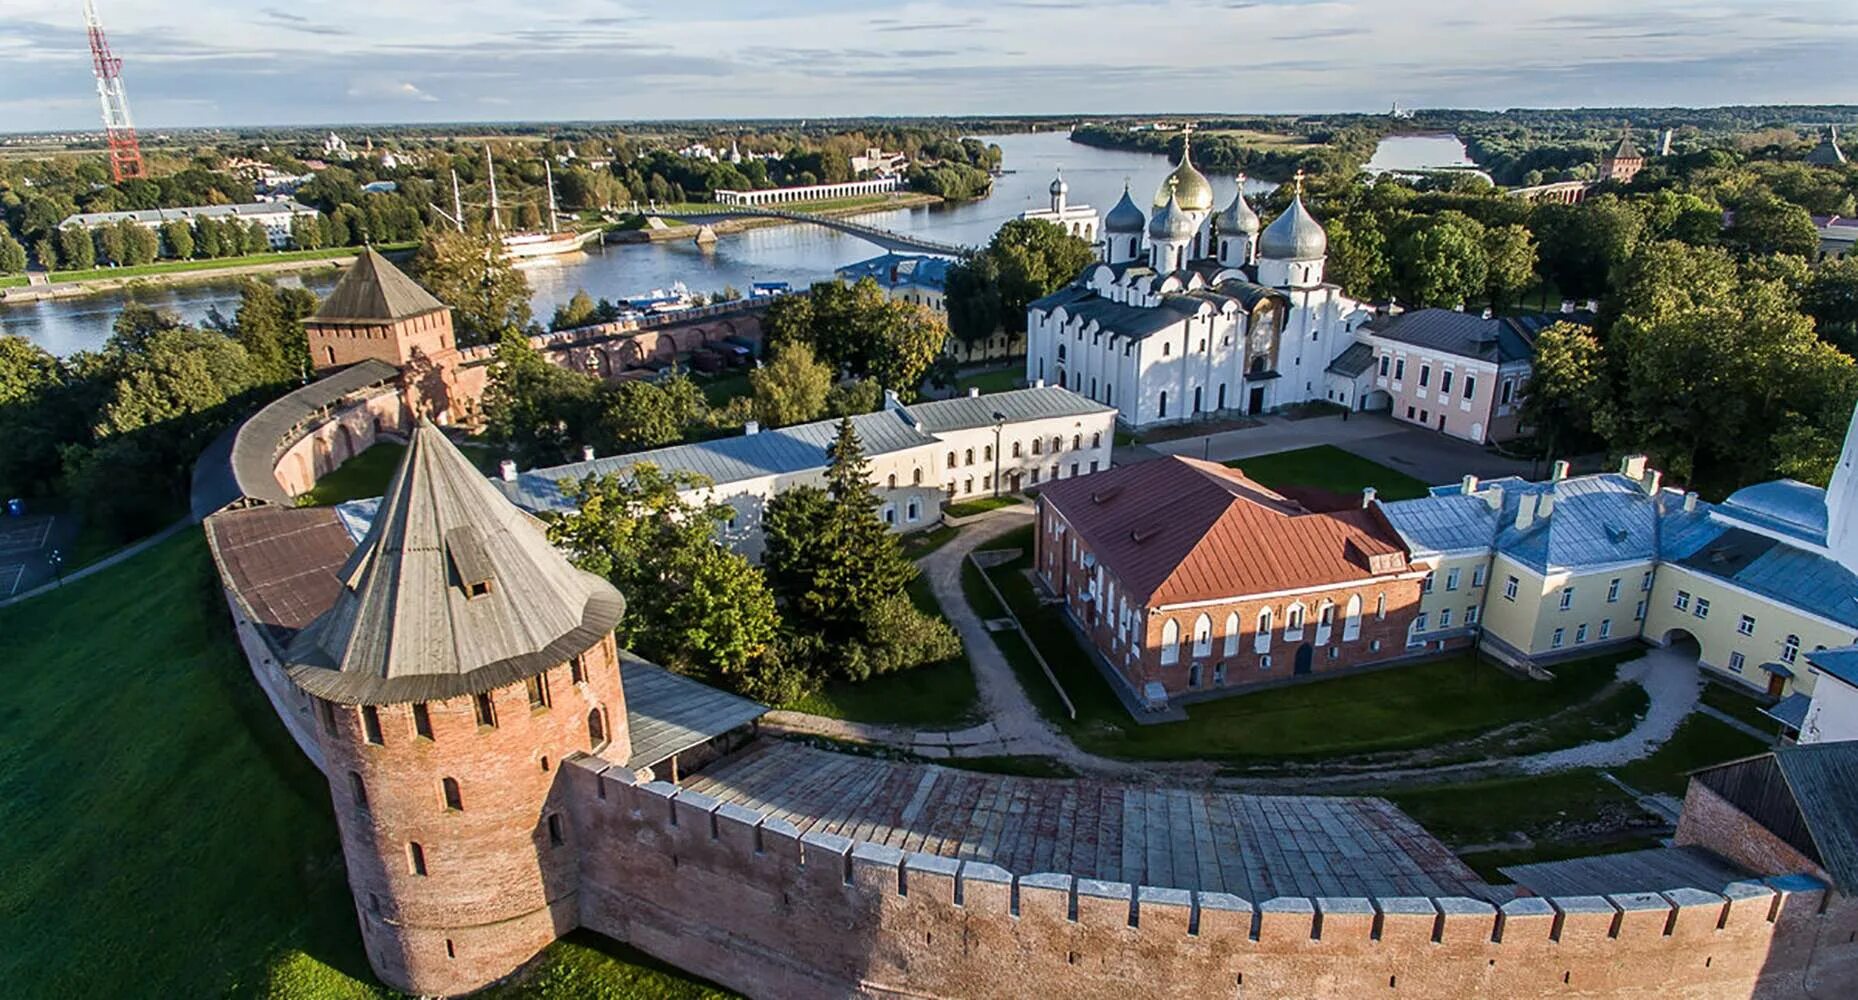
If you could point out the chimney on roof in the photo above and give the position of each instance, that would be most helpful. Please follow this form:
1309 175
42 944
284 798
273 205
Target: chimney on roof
1038 383
587 453
891 402
1567 306
1593 305
1525 512
1690 502
751 427
1494 497
507 468
1488 312
1652 481
1367 497
1545 506
1468 487
1632 466
1558 471
974 392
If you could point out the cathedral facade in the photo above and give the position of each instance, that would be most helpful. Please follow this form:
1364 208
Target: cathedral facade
1194 312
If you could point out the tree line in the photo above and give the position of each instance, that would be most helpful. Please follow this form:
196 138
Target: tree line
117 431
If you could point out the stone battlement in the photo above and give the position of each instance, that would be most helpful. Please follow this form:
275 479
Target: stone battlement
747 900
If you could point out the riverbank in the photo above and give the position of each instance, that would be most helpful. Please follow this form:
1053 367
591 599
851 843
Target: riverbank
676 227
69 284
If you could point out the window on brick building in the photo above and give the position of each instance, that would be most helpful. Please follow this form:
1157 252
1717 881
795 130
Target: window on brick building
1203 635
537 686
415 858
1170 642
454 799
358 790
1232 635
327 710
371 724
1261 641
486 711
422 720
576 672
596 729
1351 619
554 830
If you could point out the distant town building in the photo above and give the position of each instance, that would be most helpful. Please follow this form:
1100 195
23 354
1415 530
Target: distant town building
1837 235
336 148
809 192
1190 578
1624 162
920 455
920 279
875 161
1078 220
275 216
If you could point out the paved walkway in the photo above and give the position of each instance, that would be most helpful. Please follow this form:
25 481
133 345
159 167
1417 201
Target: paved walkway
1671 680
105 563
1425 455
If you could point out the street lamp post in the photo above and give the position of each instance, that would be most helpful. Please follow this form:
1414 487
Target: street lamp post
999 424
57 560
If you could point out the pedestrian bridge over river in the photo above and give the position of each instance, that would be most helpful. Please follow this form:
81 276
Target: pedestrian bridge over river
885 238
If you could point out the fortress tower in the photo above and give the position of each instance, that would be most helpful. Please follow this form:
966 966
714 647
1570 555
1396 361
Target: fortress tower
463 659
376 311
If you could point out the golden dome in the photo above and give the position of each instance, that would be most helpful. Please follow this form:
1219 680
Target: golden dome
1189 186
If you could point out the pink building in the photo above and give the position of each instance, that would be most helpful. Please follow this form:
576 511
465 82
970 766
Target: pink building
1457 373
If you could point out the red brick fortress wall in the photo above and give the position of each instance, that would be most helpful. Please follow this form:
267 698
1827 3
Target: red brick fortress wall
499 875
739 898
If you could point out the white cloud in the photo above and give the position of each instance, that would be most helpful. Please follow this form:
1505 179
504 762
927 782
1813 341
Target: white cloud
375 88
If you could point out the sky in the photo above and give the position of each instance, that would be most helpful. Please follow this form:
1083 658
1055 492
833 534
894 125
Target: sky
259 62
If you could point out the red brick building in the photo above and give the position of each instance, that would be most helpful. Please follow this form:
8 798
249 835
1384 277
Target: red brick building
1189 577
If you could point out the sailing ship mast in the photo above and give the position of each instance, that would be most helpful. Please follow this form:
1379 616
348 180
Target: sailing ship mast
549 172
496 223
457 203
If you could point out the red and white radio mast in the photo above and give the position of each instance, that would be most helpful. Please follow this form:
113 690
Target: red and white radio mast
125 152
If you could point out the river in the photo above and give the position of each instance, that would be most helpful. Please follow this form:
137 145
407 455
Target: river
797 254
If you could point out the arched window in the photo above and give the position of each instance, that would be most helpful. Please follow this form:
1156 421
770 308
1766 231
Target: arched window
1790 649
1203 636
1351 619
454 799
1077 441
1096 440
889 513
1293 621
1164 406
1380 607
1232 633
967 485
358 790
916 477
987 453
415 857
1016 449
892 481
1170 642
1057 444
951 459
967 457
596 729
1261 640
1038 446
914 512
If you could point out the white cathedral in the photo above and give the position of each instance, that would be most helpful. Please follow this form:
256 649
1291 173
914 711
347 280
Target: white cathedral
1207 314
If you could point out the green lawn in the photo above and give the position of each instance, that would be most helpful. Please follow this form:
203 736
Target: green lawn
999 380
164 835
179 266
1699 742
969 508
1572 814
940 695
722 387
362 476
1735 704
1327 467
14 281
918 544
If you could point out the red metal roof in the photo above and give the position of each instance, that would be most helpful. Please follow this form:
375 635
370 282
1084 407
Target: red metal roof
1180 530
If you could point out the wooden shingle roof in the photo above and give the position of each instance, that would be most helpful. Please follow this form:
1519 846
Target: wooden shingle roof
1180 530
408 626
373 291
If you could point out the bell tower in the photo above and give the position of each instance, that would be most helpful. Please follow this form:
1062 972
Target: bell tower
377 312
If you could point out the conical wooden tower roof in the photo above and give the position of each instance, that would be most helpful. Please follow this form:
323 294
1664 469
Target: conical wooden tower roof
373 291
454 591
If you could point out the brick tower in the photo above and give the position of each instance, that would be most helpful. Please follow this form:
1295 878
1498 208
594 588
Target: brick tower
462 660
376 311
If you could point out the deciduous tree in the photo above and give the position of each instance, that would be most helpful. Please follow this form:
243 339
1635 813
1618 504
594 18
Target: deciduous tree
469 273
791 387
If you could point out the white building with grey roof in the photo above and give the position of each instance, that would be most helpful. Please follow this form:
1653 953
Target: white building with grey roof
1194 314
920 456
275 216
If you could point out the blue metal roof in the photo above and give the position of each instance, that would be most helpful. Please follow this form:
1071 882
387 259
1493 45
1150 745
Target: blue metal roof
782 451
1596 520
1780 572
1443 523
1500 339
1785 506
1841 663
899 269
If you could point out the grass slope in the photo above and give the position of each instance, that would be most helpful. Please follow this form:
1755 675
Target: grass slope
1326 467
164 837
939 695
181 266
362 476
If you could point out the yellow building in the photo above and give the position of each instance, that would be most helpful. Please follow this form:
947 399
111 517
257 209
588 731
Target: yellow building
1537 572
